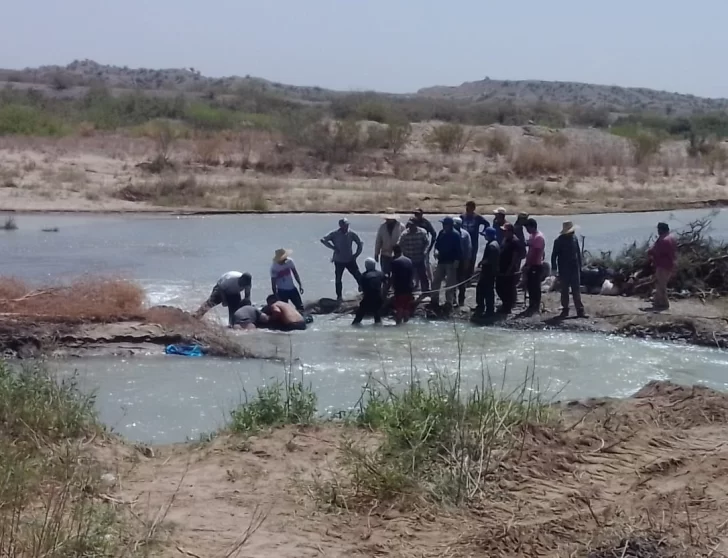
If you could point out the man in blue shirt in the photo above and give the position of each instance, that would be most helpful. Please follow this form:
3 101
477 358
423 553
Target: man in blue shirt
448 253
473 224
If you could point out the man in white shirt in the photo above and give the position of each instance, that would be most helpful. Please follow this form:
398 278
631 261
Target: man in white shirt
227 292
282 273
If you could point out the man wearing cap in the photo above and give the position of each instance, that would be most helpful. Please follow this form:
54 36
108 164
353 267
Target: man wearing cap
566 264
448 253
414 245
371 287
663 255
282 273
340 241
387 237
464 272
509 266
534 265
499 220
485 292
423 223
473 223
227 292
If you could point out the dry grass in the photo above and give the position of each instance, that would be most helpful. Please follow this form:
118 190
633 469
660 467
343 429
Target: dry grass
95 299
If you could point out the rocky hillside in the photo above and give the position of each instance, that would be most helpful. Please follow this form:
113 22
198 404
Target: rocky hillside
563 92
190 80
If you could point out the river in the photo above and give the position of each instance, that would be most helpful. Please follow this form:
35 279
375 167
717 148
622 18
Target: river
177 259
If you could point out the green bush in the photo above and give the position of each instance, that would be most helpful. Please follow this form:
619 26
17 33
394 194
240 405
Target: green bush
206 117
275 405
23 120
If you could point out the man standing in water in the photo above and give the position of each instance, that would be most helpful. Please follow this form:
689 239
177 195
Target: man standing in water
485 292
371 286
341 241
464 271
227 292
282 273
473 224
534 266
414 245
423 223
448 253
566 263
509 266
664 257
387 237
402 275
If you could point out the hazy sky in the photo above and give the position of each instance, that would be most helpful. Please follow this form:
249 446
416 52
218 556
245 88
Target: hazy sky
390 45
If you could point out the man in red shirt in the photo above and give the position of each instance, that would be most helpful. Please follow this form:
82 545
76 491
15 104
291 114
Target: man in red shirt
534 266
663 255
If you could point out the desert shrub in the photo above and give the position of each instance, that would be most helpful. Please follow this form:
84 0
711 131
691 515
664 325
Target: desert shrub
448 138
557 140
398 136
497 142
716 158
206 117
207 150
644 146
376 137
334 142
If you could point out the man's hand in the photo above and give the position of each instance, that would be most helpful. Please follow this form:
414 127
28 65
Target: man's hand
300 290
376 258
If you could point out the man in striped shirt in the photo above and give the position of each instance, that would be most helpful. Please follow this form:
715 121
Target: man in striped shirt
414 244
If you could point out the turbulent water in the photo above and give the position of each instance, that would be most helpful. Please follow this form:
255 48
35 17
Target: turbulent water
163 399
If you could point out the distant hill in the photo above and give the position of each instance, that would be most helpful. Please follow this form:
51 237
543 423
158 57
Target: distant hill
573 93
84 73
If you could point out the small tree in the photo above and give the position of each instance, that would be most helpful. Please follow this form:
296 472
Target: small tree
644 146
334 143
448 138
398 136
498 143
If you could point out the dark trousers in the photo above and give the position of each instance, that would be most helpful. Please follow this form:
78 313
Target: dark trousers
465 271
421 275
506 286
533 286
369 306
485 294
291 295
571 281
351 267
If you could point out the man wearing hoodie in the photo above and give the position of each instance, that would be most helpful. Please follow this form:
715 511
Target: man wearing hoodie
387 238
464 271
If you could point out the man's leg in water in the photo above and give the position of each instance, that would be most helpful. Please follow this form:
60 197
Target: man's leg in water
338 275
213 300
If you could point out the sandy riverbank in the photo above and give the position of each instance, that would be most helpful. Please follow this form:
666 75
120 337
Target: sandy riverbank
593 173
644 476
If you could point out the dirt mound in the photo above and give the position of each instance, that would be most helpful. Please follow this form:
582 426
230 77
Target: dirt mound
641 477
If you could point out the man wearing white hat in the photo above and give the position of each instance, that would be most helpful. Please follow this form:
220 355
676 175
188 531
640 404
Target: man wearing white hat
387 238
282 273
566 263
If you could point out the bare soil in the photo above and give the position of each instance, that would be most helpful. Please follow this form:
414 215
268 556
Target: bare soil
646 476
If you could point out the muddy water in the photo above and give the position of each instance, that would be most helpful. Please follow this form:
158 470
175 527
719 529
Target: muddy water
163 399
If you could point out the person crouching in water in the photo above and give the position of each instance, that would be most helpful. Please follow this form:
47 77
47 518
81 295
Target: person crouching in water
402 282
283 316
485 291
249 318
371 286
227 292
282 273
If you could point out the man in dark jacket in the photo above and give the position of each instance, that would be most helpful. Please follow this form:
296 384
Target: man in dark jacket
473 224
485 292
448 253
371 287
509 266
566 263
402 277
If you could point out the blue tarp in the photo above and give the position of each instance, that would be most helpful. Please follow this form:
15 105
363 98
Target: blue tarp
184 350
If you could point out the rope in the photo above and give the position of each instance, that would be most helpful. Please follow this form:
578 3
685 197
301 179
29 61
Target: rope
476 274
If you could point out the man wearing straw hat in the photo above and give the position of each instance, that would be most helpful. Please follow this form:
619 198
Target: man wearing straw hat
282 272
566 263
387 238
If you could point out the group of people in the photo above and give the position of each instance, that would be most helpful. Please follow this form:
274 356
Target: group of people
283 310
513 256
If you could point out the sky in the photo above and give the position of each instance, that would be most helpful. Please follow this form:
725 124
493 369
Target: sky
387 45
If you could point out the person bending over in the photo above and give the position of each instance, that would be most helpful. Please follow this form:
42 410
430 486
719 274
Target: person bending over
283 316
227 292
249 317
